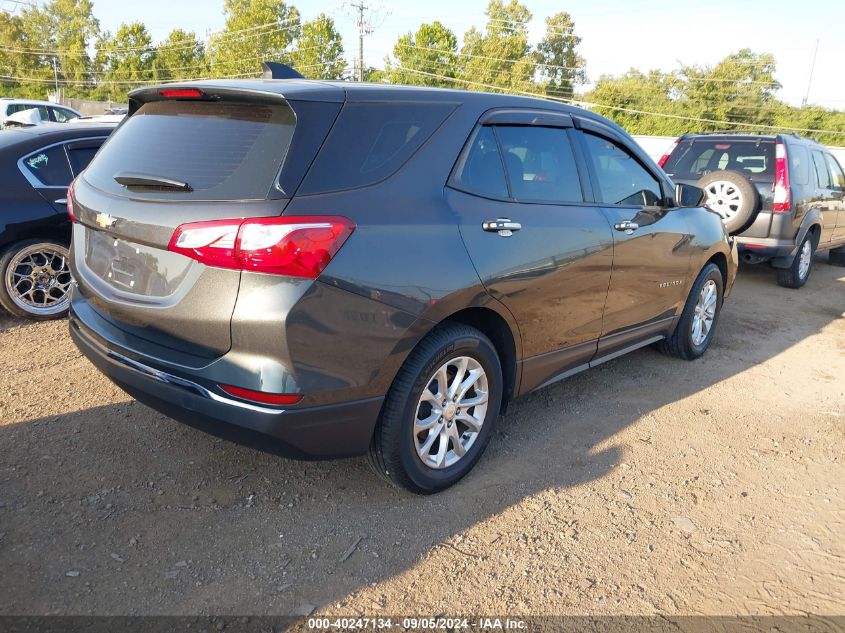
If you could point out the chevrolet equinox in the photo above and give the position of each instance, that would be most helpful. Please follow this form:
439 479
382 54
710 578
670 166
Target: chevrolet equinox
334 269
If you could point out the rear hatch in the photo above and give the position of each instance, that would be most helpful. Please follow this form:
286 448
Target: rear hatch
210 153
694 158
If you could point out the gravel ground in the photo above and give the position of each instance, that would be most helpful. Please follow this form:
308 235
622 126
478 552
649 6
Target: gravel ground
647 485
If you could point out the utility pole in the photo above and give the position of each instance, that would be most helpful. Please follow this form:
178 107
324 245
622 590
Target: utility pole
810 80
365 27
56 76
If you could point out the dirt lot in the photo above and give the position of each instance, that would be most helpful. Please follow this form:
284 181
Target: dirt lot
645 486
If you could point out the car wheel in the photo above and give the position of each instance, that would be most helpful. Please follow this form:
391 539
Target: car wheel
837 256
732 196
35 279
440 411
694 332
802 265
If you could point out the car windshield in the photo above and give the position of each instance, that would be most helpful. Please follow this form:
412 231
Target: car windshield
692 159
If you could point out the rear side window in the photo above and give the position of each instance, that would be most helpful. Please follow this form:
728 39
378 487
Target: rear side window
224 151
80 154
822 177
370 142
621 178
692 159
799 164
482 172
540 164
49 166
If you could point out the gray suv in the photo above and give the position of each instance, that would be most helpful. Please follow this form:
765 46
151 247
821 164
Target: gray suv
783 196
334 269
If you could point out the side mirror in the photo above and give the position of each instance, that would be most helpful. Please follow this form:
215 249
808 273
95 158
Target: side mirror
689 195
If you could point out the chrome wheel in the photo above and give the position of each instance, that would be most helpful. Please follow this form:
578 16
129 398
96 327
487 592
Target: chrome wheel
724 198
450 412
705 312
38 278
805 258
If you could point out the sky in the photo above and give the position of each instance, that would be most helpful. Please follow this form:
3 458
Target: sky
641 34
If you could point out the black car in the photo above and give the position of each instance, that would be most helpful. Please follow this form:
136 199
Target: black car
36 166
349 268
783 196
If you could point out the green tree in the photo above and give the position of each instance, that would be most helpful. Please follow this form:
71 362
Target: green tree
319 50
14 36
740 89
500 56
180 56
432 50
125 61
256 31
64 29
561 67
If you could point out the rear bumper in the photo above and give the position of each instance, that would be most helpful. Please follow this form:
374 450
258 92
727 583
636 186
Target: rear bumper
337 430
766 247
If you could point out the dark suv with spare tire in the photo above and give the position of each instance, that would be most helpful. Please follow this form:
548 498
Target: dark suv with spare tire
334 269
782 196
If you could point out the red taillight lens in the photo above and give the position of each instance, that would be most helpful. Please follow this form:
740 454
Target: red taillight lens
665 158
69 202
263 397
782 201
212 243
181 93
299 246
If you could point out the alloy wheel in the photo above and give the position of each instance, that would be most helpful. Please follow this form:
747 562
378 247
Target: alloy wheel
450 412
805 259
705 313
38 279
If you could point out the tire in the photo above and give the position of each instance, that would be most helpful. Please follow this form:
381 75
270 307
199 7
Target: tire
802 265
733 196
45 263
394 452
682 343
837 256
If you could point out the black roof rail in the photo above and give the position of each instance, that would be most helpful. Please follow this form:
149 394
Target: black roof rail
277 70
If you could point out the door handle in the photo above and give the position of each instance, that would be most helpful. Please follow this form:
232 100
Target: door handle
503 226
627 226
61 201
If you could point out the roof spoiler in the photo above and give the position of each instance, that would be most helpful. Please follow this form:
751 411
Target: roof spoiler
276 70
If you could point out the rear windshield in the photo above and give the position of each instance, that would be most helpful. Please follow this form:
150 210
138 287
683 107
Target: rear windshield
223 151
371 141
692 159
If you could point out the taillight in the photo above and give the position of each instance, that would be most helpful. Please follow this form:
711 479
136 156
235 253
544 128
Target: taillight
298 246
782 201
665 158
264 397
69 202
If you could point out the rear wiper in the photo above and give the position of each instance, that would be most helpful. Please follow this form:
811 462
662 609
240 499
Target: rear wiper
134 179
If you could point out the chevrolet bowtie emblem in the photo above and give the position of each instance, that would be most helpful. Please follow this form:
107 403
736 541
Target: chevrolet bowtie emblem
105 220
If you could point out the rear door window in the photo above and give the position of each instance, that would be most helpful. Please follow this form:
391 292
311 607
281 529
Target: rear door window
822 176
540 164
622 180
49 166
692 159
836 176
371 141
481 171
222 150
